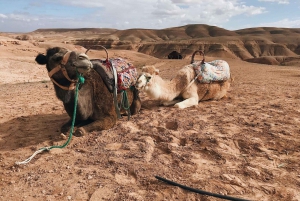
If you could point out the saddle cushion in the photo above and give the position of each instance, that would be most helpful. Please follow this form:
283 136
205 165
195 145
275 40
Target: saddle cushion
126 73
214 71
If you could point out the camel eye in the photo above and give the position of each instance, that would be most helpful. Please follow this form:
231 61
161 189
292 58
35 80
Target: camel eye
148 78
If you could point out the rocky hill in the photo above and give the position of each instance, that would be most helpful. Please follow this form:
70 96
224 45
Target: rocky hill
267 45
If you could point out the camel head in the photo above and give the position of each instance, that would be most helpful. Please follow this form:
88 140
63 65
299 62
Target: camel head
142 81
64 66
145 77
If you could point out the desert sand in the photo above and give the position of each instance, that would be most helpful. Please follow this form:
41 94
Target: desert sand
246 145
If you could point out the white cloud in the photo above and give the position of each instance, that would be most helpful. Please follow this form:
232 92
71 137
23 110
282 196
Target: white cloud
166 8
80 3
153 14
214 12
277 1
3 16
283 23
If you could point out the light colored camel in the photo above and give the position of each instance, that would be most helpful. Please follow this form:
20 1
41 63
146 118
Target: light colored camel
182 86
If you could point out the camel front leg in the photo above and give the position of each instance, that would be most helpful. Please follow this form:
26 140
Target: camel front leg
169 103
191 97
187 102
97 125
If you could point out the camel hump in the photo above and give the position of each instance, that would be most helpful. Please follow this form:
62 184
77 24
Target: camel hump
214 71
103 69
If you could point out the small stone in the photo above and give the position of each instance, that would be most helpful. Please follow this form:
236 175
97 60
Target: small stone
63 136
69 197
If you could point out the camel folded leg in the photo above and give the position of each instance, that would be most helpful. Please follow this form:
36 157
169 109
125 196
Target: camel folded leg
191 97
100 124
187 102
169 103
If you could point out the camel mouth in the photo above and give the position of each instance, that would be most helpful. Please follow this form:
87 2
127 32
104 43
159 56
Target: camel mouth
83 70
84 67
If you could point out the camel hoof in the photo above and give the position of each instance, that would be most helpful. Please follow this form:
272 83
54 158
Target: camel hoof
178 106
80 132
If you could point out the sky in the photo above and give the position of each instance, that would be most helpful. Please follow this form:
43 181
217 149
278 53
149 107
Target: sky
29 15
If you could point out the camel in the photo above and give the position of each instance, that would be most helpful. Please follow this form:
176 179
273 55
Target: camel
95 108
183 86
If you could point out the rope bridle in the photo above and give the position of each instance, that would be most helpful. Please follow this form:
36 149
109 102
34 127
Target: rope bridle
61 67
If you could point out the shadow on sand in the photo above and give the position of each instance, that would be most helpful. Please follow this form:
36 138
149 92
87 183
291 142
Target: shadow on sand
31 130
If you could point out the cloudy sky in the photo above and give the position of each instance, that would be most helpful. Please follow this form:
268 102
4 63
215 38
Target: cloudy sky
29 15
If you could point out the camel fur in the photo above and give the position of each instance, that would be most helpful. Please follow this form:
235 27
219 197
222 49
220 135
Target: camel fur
95 109
171 92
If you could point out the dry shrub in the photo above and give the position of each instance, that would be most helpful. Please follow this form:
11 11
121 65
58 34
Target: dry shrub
23 37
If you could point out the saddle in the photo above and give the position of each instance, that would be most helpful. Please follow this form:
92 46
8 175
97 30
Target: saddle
126 73
118 75
207 72
214 71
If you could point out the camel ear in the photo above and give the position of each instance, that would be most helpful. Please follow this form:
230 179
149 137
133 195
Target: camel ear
41 59
156 72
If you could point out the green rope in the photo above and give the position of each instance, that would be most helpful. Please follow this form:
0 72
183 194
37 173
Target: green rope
125 100
80 81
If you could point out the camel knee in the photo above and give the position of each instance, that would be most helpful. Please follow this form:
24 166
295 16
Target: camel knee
169 103
187 103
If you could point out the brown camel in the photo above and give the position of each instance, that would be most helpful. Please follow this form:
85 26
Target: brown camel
95 109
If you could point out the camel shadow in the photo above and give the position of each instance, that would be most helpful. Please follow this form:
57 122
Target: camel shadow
31 130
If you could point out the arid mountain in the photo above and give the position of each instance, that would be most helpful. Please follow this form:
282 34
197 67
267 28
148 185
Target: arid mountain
275 46
267 45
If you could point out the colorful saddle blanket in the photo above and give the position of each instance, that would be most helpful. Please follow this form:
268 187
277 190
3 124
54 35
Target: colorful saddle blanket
126 73
214 71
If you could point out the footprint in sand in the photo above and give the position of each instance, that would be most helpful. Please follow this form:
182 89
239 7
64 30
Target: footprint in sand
149 148
104 193
126 179
173 125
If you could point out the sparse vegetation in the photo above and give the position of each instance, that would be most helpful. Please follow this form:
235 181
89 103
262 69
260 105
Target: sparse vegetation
24 37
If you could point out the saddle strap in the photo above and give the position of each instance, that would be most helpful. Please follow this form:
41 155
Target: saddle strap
115 92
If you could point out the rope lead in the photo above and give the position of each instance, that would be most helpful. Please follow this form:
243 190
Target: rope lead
80 81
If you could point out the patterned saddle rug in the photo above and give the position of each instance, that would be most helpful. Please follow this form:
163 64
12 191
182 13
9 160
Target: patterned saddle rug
214 71
126 73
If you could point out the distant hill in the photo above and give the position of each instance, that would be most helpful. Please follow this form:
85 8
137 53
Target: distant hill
88 30
268 45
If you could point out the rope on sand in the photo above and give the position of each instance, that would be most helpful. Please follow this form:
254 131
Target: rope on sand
80 81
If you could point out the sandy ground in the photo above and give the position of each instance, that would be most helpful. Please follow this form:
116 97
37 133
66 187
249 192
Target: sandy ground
245 146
